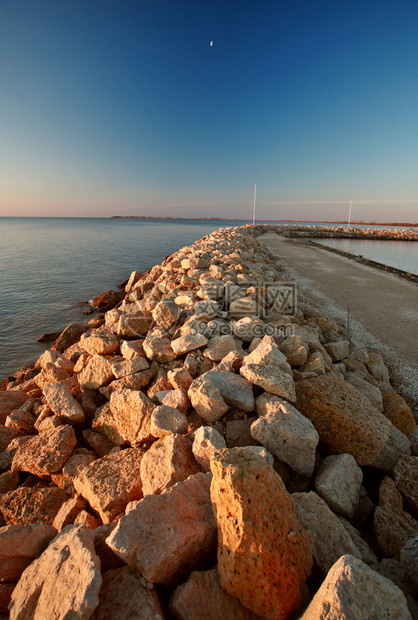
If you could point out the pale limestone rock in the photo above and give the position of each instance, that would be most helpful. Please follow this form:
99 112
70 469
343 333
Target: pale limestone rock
64 582
168 461
105 423
124 595
329 539
22 421
166 313
338 482
101 342
267 367
159 349
129 367
286 433
180 378
27 505
393 527
136 381
86 519
296 350
134 324
111 482
50 374
132 412
202 592
167 420
188 343
376 367
63 403
46 453
264 554
219 346
68 513
247 328
338 350
399 413
132 348
96 373
345 419
353 590
207 441
165 536
367 389
207 399
409 558
405 476
176 399
19 546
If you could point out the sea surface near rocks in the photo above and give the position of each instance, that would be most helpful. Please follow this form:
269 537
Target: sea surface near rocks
49 265
398 254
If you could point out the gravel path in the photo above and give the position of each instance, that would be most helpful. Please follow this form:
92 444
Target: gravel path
383 307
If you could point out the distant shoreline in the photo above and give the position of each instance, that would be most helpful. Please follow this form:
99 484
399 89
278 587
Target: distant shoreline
236 219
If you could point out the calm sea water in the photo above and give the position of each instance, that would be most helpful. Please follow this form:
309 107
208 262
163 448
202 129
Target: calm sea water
398 254
49 265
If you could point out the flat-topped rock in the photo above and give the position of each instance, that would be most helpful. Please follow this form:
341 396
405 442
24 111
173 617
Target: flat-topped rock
27 505
345 419
101 342
47 452
187 343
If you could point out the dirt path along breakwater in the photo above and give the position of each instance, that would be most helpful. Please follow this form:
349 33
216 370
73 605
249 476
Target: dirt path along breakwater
211 447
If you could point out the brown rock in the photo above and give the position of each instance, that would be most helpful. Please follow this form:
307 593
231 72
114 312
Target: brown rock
100 342
105 423
98 442
20 545
180 378
166 313
47 452
166 536
86 519
27 505
399 413
176 399
188 343
64 478
207 399
22 421
6 591
169 460
134 324
6 436
63 403
202 592
63 582
71 334
96 373
108 299
345 419
109 483
264 554
124 595
8 481
159 349
10 400
238 433
132 412
167 420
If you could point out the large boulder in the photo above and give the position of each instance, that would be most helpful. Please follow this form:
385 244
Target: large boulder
338 482
345 419
27 505
268 368
64 582
47 452
286 433
353 590
63 403
329 539
109 483
169 460
132 410
264 555
166 536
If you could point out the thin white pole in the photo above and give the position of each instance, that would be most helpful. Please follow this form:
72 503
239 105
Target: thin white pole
349 214
255 191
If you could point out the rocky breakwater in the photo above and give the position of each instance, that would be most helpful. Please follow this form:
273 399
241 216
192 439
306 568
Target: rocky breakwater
295 231
209 449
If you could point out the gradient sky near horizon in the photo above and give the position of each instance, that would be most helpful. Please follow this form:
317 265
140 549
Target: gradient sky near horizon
124 108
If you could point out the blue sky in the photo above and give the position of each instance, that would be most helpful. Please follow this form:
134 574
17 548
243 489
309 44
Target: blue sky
124 108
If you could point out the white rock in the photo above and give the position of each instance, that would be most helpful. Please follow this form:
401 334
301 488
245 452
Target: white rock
207 441
338 482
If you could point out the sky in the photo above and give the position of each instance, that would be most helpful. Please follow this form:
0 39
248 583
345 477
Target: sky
116 107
